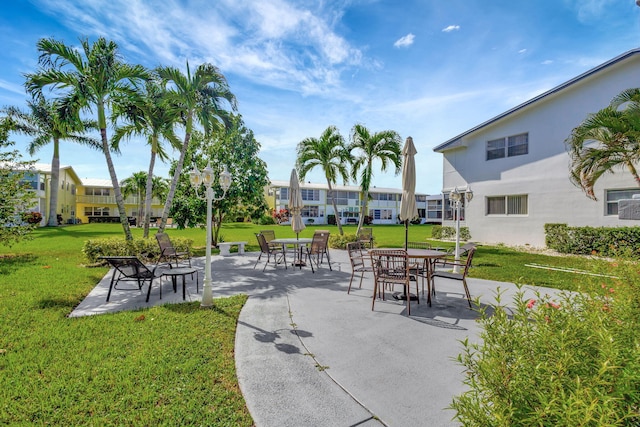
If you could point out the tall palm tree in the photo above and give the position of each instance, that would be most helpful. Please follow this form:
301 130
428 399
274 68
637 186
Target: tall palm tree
136 185
606 140
330 153
383 146
198 98
88 79
149 116
44 123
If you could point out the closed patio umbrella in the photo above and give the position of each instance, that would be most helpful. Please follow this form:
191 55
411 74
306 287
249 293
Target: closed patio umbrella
408 208
295 204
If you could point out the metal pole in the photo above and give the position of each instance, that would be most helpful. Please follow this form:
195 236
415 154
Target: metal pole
456 268
207 290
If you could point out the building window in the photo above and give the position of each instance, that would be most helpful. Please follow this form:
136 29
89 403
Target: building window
381 213
310 195
495 149
508 205
284 193
434 209
516 145
614 195
95 211
309 211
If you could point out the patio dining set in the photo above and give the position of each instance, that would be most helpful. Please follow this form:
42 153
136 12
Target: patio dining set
418 264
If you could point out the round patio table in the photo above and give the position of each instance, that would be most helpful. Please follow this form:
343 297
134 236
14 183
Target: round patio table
174 273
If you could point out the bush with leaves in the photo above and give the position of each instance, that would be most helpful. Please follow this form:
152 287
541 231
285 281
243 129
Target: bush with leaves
145 249
337 241
573 360
449 233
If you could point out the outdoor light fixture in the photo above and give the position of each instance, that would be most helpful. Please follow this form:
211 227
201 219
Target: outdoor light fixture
206 178
456 197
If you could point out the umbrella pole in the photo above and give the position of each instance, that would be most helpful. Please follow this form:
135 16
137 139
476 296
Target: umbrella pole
406 233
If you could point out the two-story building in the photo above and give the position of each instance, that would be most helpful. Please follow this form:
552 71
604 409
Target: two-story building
80 200
383 206
517 166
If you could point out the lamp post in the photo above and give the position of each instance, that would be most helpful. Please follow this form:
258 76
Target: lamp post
455 198
205 177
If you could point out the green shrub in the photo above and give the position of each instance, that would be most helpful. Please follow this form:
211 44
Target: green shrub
570 361
266 220
145 249
336 241
603 241
449 233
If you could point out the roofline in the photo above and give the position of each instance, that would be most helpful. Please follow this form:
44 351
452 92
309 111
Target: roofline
556 89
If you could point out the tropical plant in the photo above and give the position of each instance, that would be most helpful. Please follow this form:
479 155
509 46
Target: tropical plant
603 142
15 197
198 99
88 79
45 124
329 153
150 116
383 146
136 185
238 150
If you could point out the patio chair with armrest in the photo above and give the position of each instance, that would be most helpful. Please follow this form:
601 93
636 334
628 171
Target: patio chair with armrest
392 267
269 235
278 252
168 252
466 265
318 249
365 235
360 262
450 261
130 269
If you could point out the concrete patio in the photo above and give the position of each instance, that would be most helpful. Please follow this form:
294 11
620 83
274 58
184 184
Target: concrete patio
309 354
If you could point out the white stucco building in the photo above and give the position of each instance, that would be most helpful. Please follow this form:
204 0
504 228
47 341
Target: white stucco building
517 166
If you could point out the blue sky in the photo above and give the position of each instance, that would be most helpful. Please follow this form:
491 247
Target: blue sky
429 69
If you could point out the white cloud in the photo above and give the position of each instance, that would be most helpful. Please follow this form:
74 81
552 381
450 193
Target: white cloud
451 28
11 87
405 41
522 50
547 62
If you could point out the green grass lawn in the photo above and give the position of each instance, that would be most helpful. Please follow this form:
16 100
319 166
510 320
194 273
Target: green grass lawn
172 364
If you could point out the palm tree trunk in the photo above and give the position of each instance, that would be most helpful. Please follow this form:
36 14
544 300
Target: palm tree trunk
174 183
54 186
634 172
363 211
112 173
148 194
335 208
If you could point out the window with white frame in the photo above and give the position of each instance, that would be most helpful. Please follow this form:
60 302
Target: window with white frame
515 145
309 194
507 205
309 211
381 213
614 195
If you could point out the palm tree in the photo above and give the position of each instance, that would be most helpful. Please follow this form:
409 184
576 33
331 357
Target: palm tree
198 99
89 79
383 146
606 140
44 123
149 116
330 153
137 184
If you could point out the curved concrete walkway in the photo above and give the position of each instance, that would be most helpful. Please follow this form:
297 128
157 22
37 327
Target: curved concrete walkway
309 354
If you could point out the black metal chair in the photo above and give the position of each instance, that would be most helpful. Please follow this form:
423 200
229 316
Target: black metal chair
168 252
130 269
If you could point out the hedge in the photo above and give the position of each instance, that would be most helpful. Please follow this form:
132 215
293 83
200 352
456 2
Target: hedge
449 233
145 249
602 241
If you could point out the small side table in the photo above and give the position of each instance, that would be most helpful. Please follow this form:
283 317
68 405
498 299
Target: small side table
180 271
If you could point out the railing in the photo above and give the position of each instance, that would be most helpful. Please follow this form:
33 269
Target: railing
111 200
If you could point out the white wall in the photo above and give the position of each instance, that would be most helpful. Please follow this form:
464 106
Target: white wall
543 174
